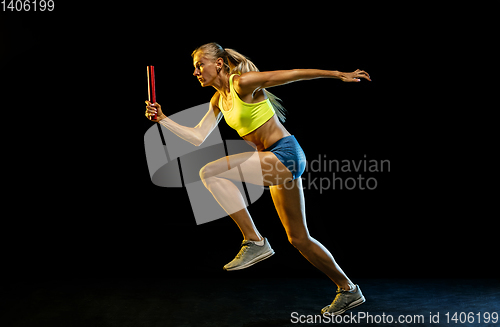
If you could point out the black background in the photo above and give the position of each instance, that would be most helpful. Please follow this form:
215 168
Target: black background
78 198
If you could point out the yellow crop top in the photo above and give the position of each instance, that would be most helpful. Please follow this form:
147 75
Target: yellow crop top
246 117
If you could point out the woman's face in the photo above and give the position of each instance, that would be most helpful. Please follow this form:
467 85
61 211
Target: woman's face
204 69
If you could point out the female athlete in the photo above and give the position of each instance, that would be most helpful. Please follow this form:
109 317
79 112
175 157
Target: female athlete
241 97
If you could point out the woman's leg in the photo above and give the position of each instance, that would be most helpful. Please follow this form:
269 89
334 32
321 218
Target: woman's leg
251 167
289 201
231 200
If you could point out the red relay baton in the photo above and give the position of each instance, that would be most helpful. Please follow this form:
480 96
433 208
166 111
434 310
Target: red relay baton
151 88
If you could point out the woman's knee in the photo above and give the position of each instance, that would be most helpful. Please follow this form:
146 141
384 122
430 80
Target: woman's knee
204 172
207 171
299 241
209 174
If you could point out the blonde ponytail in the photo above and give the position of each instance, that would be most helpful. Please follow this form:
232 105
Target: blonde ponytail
236 63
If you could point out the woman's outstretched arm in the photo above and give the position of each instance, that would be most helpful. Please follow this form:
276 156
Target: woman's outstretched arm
253 81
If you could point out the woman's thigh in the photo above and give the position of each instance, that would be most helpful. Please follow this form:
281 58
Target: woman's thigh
260 168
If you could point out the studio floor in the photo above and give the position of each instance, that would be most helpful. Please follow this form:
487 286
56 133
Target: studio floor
243 302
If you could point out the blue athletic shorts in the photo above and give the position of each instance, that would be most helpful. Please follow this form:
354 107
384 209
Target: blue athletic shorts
290 154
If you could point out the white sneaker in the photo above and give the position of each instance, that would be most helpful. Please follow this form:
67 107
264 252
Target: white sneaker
250 253
344 301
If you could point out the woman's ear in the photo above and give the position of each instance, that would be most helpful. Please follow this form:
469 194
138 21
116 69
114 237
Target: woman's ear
219 64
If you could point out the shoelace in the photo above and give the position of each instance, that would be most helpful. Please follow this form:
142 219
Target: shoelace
339 290
338 297
243 249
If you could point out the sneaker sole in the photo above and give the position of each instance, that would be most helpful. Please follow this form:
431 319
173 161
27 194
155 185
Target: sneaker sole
261 257
359 301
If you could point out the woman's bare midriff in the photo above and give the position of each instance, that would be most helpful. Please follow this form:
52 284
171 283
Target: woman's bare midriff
267 134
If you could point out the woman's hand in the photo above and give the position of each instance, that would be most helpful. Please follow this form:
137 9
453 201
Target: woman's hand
354 76
153 108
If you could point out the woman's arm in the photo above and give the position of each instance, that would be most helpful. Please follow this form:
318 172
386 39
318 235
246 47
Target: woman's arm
195 135
253 81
